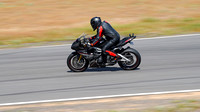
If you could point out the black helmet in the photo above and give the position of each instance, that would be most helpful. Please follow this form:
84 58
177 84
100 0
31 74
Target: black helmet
95 22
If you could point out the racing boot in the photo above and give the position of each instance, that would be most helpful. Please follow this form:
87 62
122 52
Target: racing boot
102 61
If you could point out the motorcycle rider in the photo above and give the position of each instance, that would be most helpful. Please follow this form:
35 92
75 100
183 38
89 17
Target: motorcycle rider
111 35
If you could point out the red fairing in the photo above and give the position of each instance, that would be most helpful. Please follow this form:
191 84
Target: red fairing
111 53
127 40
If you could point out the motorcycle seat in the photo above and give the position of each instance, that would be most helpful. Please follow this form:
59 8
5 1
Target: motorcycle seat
123 41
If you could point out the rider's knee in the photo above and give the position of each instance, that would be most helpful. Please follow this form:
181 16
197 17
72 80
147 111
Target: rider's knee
103 50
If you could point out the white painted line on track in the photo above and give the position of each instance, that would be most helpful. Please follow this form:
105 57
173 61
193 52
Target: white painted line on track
161 37
49 46
99 97
173 36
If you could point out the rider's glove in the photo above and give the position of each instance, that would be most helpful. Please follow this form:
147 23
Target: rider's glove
89 45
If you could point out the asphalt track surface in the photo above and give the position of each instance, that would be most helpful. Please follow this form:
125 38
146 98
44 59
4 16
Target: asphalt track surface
41 73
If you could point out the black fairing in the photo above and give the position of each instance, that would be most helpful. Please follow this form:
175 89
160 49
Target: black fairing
77 45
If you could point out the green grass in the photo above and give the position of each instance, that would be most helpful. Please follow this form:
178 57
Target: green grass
162 27
180 106
147 27
176 106
150 20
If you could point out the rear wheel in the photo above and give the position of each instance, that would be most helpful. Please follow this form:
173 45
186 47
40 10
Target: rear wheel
77 63
134 57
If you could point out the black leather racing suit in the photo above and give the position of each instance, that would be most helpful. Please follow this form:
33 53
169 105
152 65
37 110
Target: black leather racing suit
111 35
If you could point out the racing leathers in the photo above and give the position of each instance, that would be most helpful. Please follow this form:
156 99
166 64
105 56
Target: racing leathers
112 37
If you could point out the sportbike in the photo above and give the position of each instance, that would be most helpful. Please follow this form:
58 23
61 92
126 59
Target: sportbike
85 56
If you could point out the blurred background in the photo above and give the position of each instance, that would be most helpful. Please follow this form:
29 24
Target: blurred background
33 21
40 74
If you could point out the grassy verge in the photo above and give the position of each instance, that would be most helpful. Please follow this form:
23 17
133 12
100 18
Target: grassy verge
179 102
176 106
146 27
173 106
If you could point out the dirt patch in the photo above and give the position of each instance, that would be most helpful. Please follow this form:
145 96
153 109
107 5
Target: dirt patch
136 103
31 15
35 21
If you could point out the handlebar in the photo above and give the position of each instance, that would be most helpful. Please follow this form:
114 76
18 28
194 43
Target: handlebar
132 36
84 41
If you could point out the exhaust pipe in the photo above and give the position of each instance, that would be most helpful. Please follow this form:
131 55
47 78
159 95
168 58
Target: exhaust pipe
123 58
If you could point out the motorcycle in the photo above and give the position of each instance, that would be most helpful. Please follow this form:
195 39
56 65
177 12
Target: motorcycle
85 56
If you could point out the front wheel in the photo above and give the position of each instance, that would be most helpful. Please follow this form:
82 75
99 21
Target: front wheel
134 57
77 63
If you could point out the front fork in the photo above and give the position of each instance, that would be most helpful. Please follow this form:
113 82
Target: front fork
80 56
